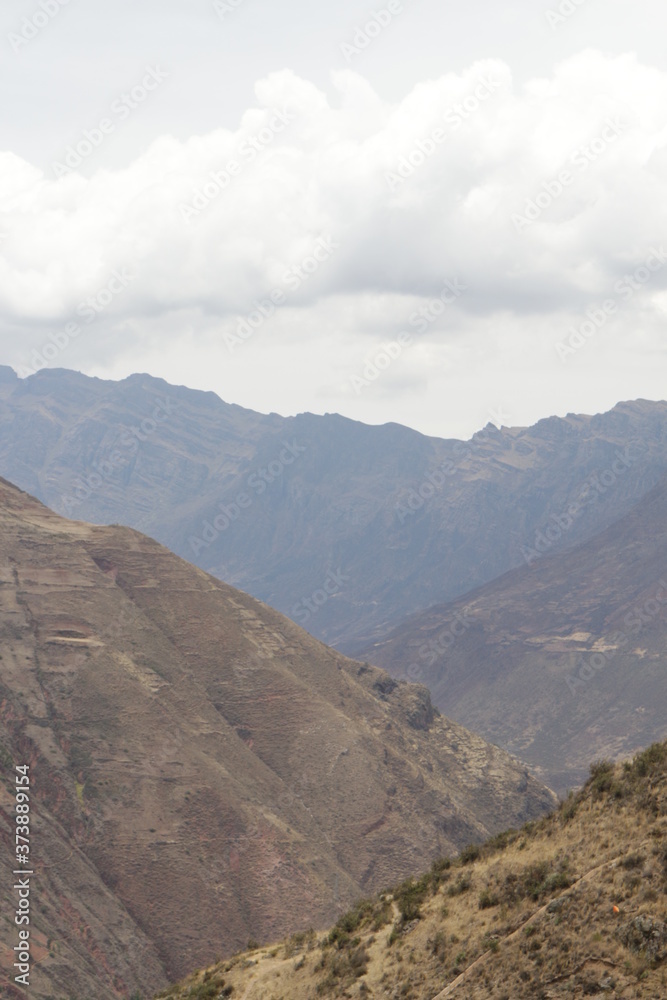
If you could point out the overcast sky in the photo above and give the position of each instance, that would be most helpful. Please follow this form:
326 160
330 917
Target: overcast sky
413 211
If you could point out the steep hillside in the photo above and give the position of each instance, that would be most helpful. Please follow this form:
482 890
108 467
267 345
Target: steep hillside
203 771
346 528
572 906
560 661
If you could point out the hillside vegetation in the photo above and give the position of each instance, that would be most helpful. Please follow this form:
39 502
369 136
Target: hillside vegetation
573 905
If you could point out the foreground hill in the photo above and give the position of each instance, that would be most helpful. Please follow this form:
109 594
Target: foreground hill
560 661
346 528
204 771
572 906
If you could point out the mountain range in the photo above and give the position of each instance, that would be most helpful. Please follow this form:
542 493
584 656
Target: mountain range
560 661
346 528
202 770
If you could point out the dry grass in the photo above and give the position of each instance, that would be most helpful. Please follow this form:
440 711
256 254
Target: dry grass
530 916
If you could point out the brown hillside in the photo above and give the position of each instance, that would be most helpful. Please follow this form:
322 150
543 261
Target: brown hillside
561 661
571 906
204 771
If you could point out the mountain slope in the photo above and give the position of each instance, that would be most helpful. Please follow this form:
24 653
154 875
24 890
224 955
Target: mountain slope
221 772
344 527
558 661
572 906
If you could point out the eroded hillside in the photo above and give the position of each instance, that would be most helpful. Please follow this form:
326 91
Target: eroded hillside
204 770
571 906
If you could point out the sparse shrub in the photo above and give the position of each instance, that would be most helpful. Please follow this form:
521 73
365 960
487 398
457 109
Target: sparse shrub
382 916
440 872
490 944
346 925
462 884
469 854
343 968
568 808
649 759
633 861
554 882
437 945
602 776
500 841
298 942
209 990
410 895
488 899
534 882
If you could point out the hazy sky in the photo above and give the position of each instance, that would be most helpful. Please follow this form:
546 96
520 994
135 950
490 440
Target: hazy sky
412 211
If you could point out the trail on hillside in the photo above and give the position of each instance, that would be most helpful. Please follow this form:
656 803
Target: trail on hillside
460 980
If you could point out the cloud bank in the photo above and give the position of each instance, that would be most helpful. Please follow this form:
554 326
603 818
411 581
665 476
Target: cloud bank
279 262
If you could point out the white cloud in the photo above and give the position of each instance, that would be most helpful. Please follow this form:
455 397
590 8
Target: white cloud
328 171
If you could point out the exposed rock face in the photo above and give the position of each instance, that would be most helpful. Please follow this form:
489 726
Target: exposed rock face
203 770
560 662
346 528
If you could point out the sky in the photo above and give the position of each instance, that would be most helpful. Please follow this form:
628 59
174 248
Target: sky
401 211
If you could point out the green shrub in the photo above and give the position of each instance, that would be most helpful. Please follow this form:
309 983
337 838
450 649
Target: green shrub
602 776
649 759
410 895
462 884
346 925
487 900
633 861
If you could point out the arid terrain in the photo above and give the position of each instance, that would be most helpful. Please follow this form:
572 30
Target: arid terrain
574 905
204 771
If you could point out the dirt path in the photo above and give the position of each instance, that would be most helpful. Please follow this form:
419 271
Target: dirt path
460 980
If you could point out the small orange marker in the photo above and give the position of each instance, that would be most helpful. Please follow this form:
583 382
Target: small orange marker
616 910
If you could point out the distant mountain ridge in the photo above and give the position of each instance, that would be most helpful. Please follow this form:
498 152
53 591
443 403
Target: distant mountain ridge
346 528
560 661
202 770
